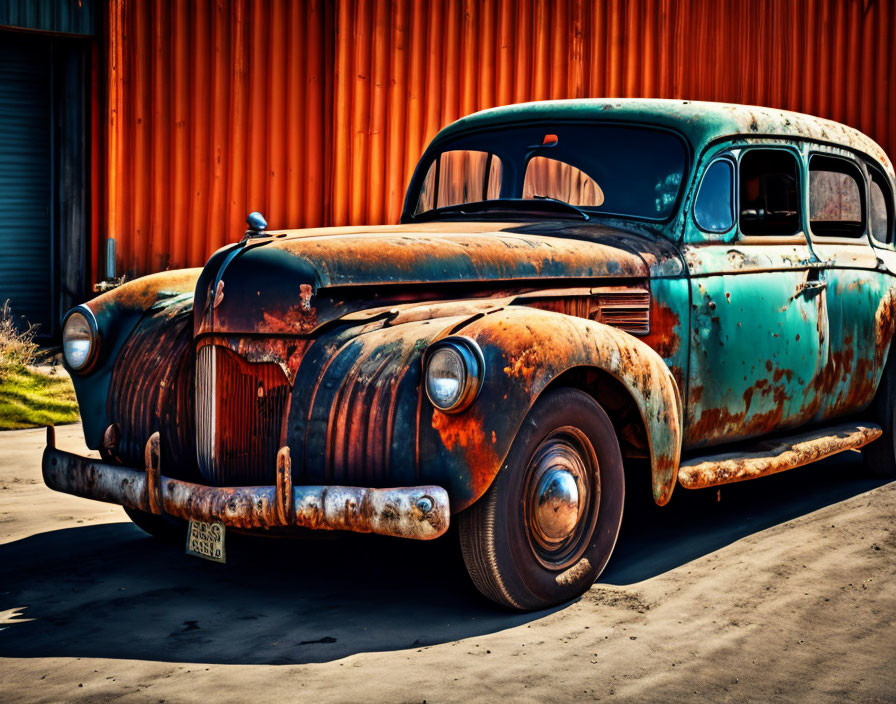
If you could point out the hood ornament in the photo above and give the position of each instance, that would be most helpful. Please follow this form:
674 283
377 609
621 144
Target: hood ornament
257 225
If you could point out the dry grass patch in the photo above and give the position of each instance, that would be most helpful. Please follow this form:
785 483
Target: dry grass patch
28 397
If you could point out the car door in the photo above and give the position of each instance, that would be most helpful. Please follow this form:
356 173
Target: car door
758 316
840 197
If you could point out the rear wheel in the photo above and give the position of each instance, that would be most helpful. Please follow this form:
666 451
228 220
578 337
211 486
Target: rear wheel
880 456
546 528
166 528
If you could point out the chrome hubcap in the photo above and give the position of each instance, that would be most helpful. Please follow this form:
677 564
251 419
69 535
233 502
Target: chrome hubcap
562 497
556 509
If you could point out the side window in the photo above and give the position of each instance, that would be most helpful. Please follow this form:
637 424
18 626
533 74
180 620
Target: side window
880 214
835 197
551 178
769 193
460 176
714 207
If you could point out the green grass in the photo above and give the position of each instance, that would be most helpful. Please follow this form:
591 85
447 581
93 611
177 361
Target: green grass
29 399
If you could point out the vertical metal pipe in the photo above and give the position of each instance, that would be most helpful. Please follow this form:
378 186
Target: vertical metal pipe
115 97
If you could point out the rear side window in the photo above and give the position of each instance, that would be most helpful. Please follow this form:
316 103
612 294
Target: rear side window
769 193
460 176
880 215
835 197
714 207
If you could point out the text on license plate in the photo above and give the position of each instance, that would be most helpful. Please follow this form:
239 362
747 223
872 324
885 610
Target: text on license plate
206 540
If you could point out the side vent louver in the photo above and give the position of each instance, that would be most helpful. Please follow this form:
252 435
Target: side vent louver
625 308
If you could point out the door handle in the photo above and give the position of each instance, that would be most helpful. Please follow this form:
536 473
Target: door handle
810 287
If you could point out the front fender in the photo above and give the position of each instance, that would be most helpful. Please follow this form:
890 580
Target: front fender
359 417
525 349
117 313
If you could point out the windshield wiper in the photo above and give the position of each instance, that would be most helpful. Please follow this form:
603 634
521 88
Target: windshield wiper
548 206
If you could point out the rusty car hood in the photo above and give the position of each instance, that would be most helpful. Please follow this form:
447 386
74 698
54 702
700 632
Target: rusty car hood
291 282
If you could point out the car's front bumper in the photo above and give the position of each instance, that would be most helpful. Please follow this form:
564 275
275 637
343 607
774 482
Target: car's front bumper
420 512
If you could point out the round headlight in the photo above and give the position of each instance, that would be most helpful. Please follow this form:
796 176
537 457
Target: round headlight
78 340
453 370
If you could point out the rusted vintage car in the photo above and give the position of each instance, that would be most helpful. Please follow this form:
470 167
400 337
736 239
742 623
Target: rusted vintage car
582 298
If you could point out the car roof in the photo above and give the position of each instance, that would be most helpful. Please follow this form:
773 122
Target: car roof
700 122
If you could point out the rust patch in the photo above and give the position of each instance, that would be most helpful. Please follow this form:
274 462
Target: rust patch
884 325
465 431
843 365
762 386
285 497
663 338
153 478
719 422
712 421
305 294
696 393
421 513
664 470
295 320
781 373
773 456
523 365
287 352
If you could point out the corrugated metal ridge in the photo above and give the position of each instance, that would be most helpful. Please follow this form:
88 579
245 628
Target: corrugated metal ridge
316 113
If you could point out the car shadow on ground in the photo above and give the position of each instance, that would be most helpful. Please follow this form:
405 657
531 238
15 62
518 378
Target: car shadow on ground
657 539
110 591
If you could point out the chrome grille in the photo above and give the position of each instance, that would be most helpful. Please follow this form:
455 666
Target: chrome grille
205 410
239 414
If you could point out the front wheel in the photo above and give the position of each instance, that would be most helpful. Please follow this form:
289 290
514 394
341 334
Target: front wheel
545 529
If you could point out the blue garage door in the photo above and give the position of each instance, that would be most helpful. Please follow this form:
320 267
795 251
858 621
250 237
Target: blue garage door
26 251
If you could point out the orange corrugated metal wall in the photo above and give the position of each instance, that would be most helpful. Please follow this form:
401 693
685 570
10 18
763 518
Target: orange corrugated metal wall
316 112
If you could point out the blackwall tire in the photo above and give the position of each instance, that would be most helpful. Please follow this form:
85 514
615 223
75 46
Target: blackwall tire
880 456
526 543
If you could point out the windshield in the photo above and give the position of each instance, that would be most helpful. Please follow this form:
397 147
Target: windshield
601 169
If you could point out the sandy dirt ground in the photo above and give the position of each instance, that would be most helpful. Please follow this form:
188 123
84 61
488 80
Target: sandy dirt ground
782 590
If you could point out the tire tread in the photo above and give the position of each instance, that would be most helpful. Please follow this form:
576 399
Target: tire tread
477 541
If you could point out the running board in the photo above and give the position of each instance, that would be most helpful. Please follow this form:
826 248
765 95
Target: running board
773 456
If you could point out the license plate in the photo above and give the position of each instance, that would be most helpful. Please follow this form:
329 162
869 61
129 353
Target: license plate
206 540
